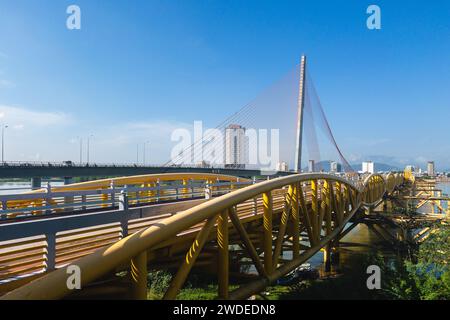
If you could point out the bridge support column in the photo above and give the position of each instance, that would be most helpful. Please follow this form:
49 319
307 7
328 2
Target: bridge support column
139 276
36 183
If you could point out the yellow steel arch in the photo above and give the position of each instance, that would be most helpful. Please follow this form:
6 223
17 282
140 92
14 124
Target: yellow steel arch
142 180
319 205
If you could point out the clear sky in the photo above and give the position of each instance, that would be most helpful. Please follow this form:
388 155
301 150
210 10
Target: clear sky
138 69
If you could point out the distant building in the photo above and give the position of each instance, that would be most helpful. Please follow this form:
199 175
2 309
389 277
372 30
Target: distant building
311 166
235 146
335 167
368 167
203 164
430 169
282 166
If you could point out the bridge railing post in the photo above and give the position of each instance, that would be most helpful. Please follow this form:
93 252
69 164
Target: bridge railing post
113 193
4 208
158 191
83 201
123 207
51 251
48 198
208 193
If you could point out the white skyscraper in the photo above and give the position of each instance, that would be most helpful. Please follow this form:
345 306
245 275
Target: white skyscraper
335 166
430 169
282 166
235 146
368 167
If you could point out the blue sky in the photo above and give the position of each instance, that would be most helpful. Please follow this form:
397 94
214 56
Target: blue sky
138 69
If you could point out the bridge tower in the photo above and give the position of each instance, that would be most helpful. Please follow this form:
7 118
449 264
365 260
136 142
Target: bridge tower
300 106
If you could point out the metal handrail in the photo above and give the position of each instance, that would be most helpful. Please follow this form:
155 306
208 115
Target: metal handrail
53 285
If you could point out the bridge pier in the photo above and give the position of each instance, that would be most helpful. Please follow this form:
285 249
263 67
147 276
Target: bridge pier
36 183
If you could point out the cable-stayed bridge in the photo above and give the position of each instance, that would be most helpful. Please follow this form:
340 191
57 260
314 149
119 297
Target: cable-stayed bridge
238 225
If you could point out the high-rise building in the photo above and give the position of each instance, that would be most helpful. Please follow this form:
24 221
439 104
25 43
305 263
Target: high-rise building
235 146
282 166
335 166
368 167
430 169
311 166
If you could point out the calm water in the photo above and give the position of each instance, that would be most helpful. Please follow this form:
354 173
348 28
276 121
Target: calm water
20 187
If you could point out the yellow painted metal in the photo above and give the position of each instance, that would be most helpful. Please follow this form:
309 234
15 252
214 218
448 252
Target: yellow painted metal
138 272
314 210
223 259
282 227
104 260
305 214
295 222
118 182
189 260
267 235
246 240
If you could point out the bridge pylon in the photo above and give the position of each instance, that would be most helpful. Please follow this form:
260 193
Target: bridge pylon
300 106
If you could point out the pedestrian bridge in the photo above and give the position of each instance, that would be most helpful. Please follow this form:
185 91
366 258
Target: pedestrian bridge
176 222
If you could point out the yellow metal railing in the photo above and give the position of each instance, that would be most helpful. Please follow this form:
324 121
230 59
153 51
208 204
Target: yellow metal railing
318 204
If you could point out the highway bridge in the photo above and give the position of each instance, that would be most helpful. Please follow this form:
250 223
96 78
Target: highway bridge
38 170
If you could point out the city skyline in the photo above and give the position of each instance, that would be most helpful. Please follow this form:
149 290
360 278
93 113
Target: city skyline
137 75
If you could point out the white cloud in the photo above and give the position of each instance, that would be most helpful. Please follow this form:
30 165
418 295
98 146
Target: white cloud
6 84
20 118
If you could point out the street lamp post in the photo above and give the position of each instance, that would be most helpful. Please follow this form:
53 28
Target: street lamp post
137 154
4 126
81 149
88 138
144 149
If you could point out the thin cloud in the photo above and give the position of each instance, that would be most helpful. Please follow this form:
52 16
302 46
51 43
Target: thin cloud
6 84
21 117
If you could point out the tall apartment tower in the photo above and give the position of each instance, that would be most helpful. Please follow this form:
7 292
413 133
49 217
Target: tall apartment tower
368 167
235 146
430 169
335 166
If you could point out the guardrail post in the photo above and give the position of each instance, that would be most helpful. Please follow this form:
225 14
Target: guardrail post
191 182
4 207
51 251
138 266
68 199
158 190
83 200
208 193
113 193
123 206
48 197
